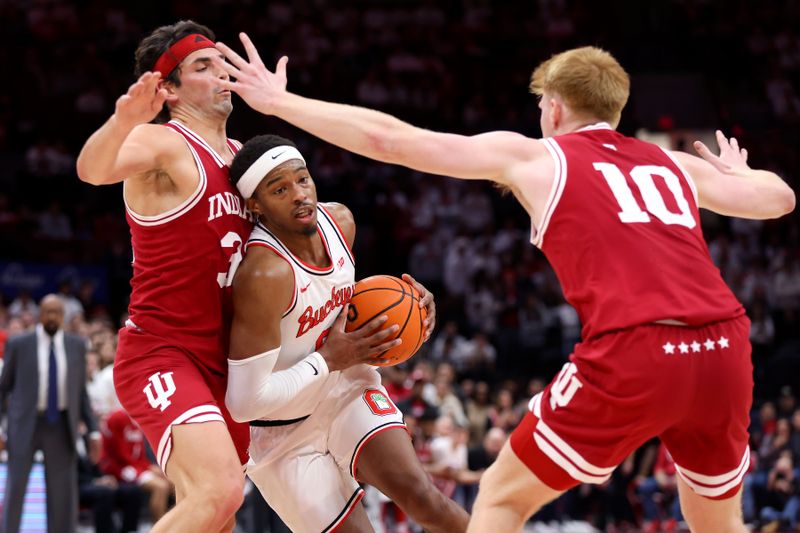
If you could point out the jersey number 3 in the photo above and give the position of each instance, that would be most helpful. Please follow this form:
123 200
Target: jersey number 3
644 178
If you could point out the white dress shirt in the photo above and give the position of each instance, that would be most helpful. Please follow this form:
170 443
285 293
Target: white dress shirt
43 342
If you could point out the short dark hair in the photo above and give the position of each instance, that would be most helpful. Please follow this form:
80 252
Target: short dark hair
251 151
158 42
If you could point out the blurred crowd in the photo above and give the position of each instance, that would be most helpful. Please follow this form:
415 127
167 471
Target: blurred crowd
504 327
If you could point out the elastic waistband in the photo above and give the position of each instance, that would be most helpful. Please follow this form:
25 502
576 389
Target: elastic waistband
274 423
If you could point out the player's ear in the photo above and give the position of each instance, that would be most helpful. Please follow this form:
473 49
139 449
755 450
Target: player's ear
172 97
252 205
556 112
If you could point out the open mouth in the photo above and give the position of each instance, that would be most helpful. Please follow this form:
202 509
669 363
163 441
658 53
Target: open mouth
304 214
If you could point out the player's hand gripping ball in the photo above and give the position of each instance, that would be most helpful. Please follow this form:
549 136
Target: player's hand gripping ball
386 295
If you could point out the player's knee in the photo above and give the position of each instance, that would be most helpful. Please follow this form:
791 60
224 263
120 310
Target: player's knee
224 494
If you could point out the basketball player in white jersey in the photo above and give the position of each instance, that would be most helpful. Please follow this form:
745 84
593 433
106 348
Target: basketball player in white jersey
320 420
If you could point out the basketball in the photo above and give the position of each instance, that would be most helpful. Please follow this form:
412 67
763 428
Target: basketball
386 295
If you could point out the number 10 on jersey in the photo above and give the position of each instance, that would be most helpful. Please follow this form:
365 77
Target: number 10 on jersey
644 178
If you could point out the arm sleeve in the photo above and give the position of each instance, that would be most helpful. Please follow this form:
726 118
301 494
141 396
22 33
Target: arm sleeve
254 391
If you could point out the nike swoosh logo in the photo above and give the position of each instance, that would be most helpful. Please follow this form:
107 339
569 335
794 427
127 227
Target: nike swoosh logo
316 372
304 289
278 155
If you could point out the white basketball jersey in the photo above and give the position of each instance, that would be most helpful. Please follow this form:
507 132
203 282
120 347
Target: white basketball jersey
319 295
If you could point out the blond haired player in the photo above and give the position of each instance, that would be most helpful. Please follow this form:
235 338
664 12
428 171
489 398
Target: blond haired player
665 343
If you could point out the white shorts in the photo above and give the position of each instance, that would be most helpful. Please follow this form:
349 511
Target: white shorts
306 471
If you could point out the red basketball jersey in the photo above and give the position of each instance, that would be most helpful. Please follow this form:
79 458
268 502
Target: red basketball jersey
184 261
621 229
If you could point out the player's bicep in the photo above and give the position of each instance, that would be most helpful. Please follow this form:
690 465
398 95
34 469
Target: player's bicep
262 288
486 156
148 148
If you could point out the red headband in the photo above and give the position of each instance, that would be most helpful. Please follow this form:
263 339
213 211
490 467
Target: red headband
177 52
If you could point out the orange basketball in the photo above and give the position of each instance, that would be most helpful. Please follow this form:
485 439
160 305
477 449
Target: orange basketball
386 295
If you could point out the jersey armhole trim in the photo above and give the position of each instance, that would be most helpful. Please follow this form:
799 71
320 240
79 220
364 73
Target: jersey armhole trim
189 134
686 175
556 190
339 233
277 252
180 209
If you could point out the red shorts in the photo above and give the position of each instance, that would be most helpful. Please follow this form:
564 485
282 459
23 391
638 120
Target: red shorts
692 387
161 386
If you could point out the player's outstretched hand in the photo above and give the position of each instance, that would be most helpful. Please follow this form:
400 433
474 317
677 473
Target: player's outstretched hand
343 350
257 86
730 159
143 101
426 301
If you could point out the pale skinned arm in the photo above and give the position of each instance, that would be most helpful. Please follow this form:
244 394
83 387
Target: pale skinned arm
728 186
126 145
374 134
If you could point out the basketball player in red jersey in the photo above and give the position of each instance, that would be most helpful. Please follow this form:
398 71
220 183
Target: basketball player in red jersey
665 346
319 420
188 226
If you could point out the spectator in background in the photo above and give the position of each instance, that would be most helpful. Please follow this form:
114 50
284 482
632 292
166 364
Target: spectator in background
72 306
663 483
43 388
103 494
450 346
479 458
783 497
55 224
477 408
480 356
503 413
447 402
786 402
125 458
23 304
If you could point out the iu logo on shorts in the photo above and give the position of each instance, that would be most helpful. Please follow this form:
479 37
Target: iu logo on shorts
160 388
379 403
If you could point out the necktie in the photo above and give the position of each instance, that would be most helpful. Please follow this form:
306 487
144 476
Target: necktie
51 412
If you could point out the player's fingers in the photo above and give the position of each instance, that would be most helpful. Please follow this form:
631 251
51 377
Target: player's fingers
744 154
280 68
373 325
701 149
250 48
386 346
136 89
232 71
724 146
231 55
734 144
381 335
341 320
228 85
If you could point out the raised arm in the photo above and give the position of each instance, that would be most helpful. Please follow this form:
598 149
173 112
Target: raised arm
126 145
262 290
728 186
374 134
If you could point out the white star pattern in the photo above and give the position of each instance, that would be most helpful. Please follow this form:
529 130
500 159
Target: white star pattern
709 344
723 342
683 347
669 348
696 346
